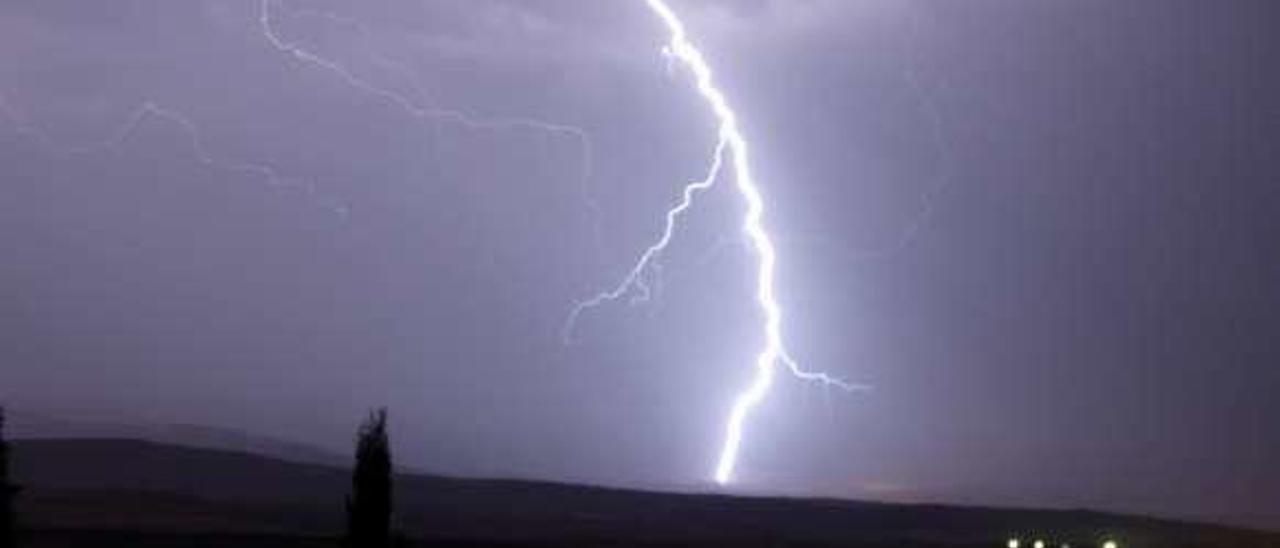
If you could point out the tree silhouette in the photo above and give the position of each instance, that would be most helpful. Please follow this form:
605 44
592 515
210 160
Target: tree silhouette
7 492
369 504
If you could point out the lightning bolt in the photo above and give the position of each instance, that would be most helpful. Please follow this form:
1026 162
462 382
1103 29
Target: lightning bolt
774 351
680 49
431 111
149 110
465 119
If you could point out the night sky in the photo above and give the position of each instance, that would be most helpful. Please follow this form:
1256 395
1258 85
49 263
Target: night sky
1045 232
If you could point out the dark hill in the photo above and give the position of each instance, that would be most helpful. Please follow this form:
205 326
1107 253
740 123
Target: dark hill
28 424
136 487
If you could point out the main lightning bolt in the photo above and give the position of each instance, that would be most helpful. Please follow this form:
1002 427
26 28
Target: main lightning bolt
774 352
680 49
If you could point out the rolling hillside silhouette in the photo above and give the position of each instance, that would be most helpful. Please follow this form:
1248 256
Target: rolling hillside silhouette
88 492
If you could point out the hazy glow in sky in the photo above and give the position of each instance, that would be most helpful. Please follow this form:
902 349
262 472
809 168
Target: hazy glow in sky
1086 281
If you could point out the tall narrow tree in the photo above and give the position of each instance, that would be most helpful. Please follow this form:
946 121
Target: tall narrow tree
369 504
7 492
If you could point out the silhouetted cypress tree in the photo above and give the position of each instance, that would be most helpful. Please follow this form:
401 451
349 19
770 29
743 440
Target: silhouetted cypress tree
369 504
7 491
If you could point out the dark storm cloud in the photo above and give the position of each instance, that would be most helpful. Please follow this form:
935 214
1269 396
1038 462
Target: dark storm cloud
1085 314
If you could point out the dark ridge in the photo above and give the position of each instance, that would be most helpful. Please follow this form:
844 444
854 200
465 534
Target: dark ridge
145 487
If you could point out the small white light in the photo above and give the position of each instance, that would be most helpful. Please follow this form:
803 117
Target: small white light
1013 543
1039 544
1110 544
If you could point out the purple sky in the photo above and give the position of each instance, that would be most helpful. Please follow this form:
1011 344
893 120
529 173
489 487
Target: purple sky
1045 232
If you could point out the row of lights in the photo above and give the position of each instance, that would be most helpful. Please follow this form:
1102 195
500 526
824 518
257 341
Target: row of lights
1015 543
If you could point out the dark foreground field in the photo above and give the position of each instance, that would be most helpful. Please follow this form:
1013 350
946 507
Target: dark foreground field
107 493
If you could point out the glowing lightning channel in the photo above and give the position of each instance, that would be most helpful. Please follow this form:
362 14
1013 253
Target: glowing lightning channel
774 351
307 56
731 140
430 111
138 117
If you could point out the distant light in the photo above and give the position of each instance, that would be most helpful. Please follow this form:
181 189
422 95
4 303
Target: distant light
1013 543
1040 544
1110 544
